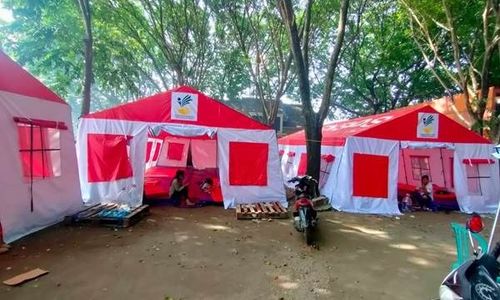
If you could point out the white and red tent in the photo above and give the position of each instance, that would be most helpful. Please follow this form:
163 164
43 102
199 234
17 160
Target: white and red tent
39 172
364 160
112 146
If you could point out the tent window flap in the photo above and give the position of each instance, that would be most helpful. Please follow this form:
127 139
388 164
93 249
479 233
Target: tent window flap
108 158
248 163
40 151
370 175
420 166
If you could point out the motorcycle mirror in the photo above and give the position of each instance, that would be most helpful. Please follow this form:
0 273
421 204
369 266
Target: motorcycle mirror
475 223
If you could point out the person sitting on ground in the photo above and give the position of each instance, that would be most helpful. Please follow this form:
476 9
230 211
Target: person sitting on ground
178 190
423 194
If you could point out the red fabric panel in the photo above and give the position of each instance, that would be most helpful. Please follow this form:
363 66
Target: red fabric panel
149 146
14 79
370 175
478 161
302 169
42 164
175 151
41 123
107 157
157 109
248 163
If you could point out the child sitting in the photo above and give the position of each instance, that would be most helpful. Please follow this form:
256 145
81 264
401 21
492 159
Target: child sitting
406 203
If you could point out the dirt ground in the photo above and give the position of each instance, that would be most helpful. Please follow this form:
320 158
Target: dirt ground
206 253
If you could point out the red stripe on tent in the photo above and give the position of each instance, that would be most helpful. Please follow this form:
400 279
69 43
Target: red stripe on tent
478 161
41 123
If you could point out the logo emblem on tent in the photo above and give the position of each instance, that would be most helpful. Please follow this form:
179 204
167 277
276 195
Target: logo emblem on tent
428 121
183 103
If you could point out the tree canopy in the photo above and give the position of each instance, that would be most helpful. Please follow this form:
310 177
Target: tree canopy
394 53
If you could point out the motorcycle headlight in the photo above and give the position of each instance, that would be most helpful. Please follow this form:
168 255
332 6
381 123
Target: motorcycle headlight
445 293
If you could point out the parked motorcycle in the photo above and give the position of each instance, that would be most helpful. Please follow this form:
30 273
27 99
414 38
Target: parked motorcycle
475 279
305 216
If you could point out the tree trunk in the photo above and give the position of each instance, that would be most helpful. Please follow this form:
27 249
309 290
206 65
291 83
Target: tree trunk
313 147
85 12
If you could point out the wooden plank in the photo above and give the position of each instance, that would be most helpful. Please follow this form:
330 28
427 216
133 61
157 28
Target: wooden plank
27 276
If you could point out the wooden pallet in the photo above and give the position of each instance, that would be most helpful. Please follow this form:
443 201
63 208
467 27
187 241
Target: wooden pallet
91 215
271 210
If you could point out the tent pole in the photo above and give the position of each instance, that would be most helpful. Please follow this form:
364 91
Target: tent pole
404 163
442 166
494 226
31 167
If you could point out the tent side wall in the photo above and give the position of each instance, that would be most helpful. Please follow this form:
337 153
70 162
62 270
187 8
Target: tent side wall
128 186
53 197
367 177
127 181
476 176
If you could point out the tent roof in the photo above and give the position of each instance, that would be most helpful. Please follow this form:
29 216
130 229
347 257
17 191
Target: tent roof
14 79
399 124
157 109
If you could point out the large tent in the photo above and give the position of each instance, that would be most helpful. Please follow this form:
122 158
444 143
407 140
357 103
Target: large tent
364 160
39 173
113 146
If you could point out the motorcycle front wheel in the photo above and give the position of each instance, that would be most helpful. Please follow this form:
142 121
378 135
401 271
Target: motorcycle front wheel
308 235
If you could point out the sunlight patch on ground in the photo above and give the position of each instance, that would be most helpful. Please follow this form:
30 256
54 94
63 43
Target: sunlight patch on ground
322 291
366 232
181 237
419 261
289 285
404 246
178 218
215 227
286 282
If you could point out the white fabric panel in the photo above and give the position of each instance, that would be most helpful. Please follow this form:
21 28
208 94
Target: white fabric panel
290 165
234 195
487 202
53 198
426 145
343 198
105 192
204 154
332 182
184 130
163 159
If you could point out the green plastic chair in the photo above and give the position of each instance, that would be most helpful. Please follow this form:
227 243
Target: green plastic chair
464 251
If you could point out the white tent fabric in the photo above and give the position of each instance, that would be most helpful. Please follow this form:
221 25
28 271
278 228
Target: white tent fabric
343 198
133 187
127 191
487 201
53 198
234 195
